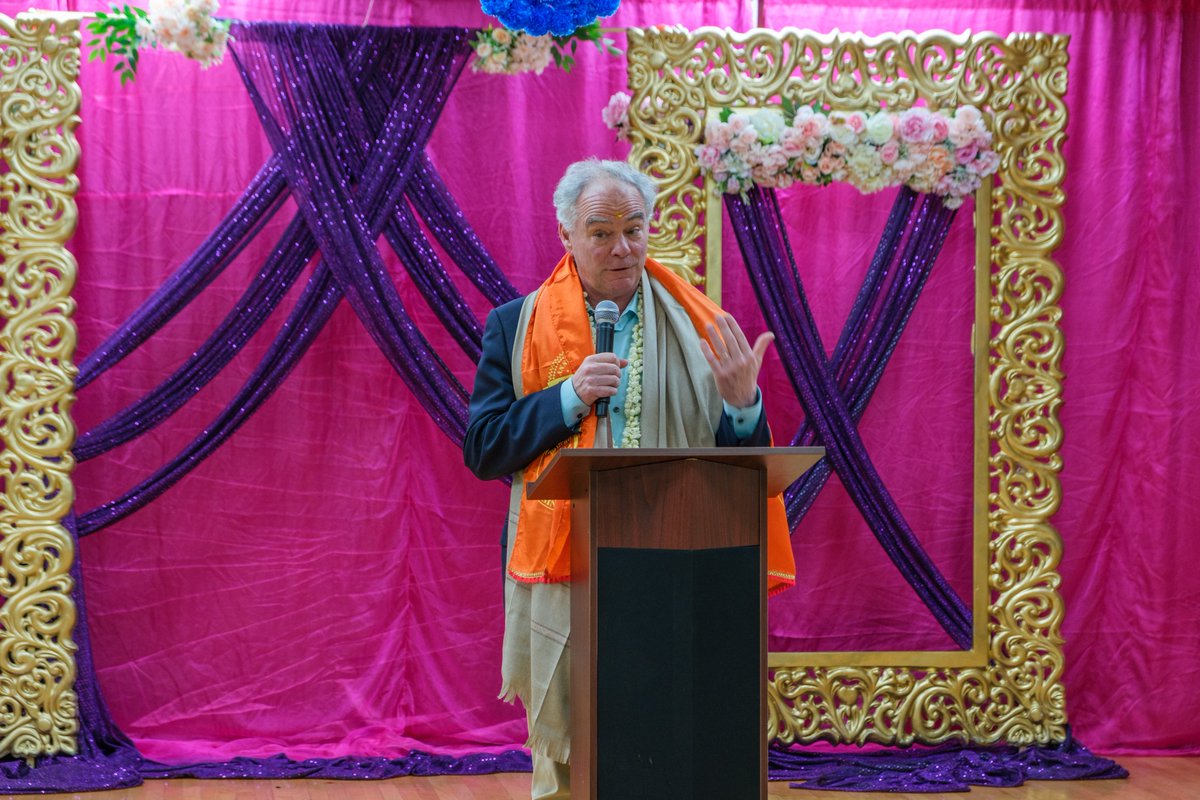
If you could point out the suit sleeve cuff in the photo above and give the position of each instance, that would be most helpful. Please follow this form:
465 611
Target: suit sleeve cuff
573 409
744 420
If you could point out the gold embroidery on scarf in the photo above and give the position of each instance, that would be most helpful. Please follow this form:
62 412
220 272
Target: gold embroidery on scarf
558 369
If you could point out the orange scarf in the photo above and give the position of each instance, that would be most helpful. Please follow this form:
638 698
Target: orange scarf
557 340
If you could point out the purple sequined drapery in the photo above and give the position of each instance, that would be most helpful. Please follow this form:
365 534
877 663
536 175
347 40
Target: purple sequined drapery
436 207
875 327
346 185
947 768
253 209
384 160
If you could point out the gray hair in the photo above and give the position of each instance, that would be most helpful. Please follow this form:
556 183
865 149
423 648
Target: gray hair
582 174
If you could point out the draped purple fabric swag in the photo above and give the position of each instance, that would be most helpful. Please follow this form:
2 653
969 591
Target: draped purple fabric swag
364 180
829 390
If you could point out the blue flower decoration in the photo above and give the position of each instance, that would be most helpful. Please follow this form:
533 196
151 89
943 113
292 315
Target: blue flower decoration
558 17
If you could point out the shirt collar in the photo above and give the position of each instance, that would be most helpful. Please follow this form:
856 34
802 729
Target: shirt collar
628 317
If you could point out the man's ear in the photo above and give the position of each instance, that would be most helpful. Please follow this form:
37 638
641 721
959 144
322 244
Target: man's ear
564 236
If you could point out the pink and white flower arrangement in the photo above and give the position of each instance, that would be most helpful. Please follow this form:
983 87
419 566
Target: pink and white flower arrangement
616 115
504 52
928 151
510 52
187 27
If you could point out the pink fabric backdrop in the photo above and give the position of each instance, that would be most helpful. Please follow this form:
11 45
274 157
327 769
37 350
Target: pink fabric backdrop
328 582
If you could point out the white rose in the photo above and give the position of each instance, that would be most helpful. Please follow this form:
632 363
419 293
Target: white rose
864 162
769 125
879 128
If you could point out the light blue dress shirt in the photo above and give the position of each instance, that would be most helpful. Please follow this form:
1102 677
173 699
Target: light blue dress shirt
744 420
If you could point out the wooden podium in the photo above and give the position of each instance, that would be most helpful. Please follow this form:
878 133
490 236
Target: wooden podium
668 617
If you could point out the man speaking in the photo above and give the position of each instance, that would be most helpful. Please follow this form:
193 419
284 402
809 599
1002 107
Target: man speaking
681 374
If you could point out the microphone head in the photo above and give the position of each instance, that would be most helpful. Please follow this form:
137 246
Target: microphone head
607 313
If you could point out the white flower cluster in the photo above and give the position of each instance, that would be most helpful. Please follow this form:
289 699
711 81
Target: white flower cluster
187 27
632 437
505 52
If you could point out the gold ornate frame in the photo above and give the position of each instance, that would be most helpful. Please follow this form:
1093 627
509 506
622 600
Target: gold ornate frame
39 110
1008 686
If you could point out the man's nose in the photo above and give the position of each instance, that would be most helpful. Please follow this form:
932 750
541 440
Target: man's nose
622 246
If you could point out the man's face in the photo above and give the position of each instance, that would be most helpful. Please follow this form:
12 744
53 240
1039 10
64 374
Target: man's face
608 241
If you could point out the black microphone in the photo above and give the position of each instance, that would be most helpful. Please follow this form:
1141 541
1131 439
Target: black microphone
606 318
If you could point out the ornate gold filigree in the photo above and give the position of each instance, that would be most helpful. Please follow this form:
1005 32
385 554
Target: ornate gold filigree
39 107
1015 694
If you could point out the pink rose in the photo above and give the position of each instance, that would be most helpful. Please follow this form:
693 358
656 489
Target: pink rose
774 159
827 164
960 133
968 115
968 125
811 128
836 149
742 142
718 135
889 152
987 163
915 125
616 113
967 153
792 142
764 177
738 123
809 174
708 156
856 122
941 128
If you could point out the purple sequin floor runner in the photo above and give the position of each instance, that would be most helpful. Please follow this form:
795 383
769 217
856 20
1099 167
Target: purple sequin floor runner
948 768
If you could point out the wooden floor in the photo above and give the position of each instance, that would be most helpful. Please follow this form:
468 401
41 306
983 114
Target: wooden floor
1150 779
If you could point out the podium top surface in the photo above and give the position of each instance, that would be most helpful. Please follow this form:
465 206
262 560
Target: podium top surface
567 475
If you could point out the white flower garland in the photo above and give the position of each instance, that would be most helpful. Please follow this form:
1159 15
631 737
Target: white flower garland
632 434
